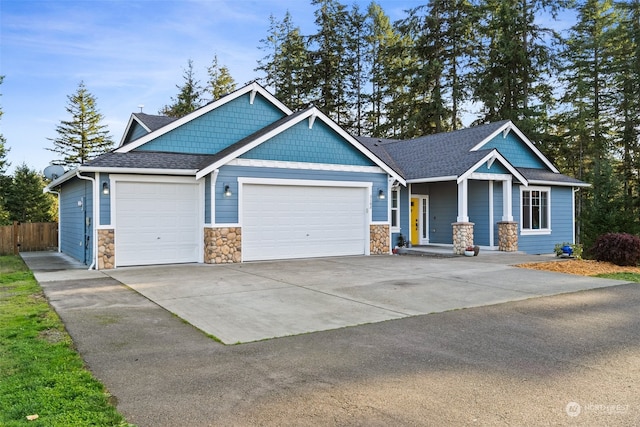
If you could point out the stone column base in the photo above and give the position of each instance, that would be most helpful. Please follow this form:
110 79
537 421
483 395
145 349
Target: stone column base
379 235
222 245
106 249
462 236
508 236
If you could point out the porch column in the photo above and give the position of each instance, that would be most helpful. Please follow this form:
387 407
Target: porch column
463 197
462 236
507 200
508 236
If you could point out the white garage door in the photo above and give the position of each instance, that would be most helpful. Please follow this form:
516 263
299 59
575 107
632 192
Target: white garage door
282 221
157 223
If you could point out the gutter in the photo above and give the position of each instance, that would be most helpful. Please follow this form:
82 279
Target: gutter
95 204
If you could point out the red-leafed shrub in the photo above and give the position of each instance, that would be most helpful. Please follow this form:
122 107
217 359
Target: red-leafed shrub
618 248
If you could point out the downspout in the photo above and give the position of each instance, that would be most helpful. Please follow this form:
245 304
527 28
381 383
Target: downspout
95 217
57 193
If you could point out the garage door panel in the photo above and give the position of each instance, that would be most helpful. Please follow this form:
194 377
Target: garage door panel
157 223
282 222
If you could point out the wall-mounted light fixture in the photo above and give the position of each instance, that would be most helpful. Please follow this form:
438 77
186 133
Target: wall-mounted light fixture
227 190
105 187
381 194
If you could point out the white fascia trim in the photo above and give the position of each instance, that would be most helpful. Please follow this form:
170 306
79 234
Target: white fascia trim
304 182
489 176
380 223
253 87
560 184
256 163
494 155
307 114
128 127
434 179
509 126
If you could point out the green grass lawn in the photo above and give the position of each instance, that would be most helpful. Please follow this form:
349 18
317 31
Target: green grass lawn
629 277
40 372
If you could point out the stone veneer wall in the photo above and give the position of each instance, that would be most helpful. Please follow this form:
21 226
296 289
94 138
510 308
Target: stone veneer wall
222 245
379 235
462 236
106 249
508 236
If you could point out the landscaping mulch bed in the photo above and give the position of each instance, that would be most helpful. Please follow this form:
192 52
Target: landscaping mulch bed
580 267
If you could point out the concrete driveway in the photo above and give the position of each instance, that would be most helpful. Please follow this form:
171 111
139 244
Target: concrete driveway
240 303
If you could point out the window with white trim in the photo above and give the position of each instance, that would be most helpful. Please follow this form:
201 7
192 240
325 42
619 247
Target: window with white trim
395 208
535 210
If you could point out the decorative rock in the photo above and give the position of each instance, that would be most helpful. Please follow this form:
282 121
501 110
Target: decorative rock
106 249
379 243
508 236
462 236
222 245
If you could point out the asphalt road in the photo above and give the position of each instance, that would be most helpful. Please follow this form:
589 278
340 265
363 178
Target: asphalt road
572 359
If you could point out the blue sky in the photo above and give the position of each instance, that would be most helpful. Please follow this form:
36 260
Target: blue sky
127 53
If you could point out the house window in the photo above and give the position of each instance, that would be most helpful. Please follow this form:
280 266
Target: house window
395 208
535 208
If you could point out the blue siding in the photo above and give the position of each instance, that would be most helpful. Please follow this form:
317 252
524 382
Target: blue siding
321 144
515 151
73 220
561 222
216 130
227 207
136 131
443 211
479 211
105 201
497 209
405 213
496 168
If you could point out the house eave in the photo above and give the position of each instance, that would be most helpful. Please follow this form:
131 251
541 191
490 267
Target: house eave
560 183
432 179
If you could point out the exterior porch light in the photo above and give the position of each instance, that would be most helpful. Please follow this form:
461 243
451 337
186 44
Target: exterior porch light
227 190
105 187
381 194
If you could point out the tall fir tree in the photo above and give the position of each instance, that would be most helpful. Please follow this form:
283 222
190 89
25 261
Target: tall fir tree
4 180
83 137
220 81
4 150
188 99
25 200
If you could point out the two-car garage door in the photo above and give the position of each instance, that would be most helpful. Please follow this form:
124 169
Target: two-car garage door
290 221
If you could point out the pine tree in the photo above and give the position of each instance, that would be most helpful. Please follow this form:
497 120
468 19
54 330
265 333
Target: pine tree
287 63
4 180
25 200
83 137
189 97
220 81
4 151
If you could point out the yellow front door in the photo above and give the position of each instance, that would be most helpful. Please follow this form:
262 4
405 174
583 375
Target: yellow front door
415 218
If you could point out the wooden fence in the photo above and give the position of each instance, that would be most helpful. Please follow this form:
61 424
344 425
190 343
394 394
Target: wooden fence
28 237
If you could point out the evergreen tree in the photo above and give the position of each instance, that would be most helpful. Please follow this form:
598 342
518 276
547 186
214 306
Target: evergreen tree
331 61
189 97
356 63
4 150
287 63
83 137
588 113
220 81
25 200
514 63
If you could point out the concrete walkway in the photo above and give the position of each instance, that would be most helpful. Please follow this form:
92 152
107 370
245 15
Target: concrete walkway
240 303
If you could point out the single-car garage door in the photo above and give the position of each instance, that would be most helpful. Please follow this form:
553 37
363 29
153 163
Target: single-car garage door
157 223
289 221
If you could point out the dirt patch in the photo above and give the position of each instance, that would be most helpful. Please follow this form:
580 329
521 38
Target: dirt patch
580 267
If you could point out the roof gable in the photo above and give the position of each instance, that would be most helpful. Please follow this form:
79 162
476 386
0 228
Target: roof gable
191 133
283 140
311 144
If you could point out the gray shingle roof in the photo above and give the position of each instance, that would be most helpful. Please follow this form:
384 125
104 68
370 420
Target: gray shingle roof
548 176
154 122
151 160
